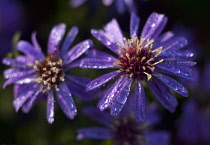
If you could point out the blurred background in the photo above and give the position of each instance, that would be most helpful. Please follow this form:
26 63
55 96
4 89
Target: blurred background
19 18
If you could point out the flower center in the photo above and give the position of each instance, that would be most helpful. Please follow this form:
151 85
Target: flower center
50 72
137 59
127 131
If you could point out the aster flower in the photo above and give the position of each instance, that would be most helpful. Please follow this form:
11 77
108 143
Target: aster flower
38 77
124 129
193 126
147 58
121 5
11 20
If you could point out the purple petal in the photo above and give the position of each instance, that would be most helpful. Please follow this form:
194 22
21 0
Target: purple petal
66 101
139 102
134 25
50 107
29 50
69 39
25 92
174 44
120 6
55 38
18 78
14 62
98 63
121 95
97 53
113 32
164 37
154 25
102 117
109 96
179 71
130 4
173 84
78 50
107 2
78 80
101 36
79 91
158 138
101 80
163 94
35 42
15 72
26 107
94 133
176 55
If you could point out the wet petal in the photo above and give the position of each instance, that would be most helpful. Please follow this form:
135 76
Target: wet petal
50 107
101 80
14 62
139 102
97 63
97 53
109 96
176 55
35 42
78 50
154 25
66 101
78 80
113 32
55 38
101 36
134 25
102 117
94 133
173 84
163 94
29 50
121 95
69 39
164 37
15 72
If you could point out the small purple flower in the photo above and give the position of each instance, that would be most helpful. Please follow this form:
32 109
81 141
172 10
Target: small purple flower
37 76
193 125
124 129
147 58
121 5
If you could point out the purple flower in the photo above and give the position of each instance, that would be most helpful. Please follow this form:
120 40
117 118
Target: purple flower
147 58
11 20
124 129
121 5
37 76
193 125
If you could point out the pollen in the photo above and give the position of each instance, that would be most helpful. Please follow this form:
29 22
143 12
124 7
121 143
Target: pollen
137 58
50 72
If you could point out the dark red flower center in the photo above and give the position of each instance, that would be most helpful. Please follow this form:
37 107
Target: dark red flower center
137 59
50 72
127 131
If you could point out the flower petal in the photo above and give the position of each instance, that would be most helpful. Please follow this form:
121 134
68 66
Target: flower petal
101 80
66 101
173 84
78 50
113 32
102 117
55 38
109 96
50 107
76 3
97 53
158 138
139 102
94 133
154 25
162 38
134 24
97 63
162 93
69 39
35 42
14 62
121 95
101 36
176 55
15 72
29 50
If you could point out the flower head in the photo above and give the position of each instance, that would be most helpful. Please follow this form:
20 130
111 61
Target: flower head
124 129
37 76
140 59
120 5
